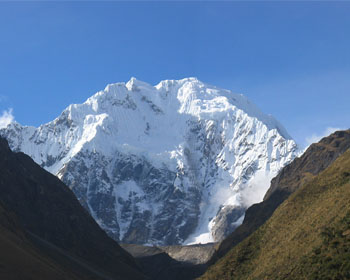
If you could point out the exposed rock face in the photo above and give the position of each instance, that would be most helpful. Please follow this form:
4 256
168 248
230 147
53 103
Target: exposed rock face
229 216
171 164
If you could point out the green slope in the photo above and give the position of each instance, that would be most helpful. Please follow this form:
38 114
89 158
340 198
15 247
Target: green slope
307 237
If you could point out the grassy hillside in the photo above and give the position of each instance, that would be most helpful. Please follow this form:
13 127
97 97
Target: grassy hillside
307 237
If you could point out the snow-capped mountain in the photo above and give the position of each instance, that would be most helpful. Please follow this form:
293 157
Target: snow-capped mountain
175 163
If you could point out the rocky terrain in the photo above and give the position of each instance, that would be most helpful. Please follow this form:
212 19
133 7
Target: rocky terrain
189 254
172 262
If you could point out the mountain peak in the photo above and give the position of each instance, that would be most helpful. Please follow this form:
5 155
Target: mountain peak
134 85
190 80
161 161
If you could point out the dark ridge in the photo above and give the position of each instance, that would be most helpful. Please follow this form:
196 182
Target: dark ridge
37 208
315 159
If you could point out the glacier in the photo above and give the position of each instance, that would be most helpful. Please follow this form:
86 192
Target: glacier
174 163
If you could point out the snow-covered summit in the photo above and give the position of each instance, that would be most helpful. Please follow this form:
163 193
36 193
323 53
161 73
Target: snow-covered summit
171 163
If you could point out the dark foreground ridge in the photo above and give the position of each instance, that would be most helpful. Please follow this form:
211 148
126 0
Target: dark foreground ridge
46 234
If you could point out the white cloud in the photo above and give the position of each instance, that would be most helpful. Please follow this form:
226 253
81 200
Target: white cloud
256 188
6 118
317 137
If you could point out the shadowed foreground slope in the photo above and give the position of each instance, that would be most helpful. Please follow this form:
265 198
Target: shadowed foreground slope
307 237
46 233
19 259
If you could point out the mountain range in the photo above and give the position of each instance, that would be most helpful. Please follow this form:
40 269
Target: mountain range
174 163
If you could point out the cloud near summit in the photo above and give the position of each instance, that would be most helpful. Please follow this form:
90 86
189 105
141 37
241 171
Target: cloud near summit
6 118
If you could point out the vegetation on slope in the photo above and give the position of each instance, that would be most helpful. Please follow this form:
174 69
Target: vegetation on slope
307 237
330 260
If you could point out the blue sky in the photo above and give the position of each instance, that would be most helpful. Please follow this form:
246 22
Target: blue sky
292 59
